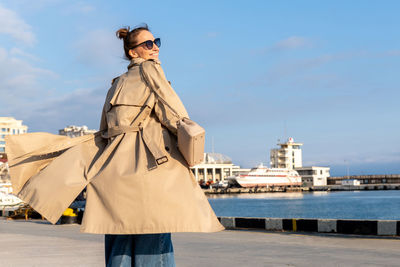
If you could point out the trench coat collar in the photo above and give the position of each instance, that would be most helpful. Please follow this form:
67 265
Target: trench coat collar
139 60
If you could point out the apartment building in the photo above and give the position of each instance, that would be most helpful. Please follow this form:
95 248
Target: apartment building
9 125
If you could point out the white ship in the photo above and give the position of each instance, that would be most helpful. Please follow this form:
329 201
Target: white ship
263 176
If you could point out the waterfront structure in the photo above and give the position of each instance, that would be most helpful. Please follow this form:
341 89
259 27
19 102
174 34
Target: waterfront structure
288 156
367 179
9 125
75 131
215 167
313 175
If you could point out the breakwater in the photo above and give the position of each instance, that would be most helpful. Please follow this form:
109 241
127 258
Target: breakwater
356 187
356 227
366 179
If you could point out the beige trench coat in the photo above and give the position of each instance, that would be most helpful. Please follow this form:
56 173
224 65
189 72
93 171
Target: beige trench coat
137 180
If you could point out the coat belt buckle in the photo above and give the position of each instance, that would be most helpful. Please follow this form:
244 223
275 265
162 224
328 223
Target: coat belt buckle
162 160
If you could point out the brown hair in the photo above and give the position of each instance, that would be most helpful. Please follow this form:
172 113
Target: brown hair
129 37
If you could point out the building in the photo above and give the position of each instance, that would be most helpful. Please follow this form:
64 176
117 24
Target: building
9 125
215 167
313 175
288 156
75 131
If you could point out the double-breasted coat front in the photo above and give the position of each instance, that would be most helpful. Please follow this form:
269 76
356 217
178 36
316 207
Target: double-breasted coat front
136 179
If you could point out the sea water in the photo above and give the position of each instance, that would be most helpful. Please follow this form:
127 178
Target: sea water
377 204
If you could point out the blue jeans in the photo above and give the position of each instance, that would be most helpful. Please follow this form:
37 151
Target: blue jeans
150 250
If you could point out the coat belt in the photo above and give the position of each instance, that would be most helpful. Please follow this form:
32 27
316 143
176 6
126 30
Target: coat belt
117 130
155 150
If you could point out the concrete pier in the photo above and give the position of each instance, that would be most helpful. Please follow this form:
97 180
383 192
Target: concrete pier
38 243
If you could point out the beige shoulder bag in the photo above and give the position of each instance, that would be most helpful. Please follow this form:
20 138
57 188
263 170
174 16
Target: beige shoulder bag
191 136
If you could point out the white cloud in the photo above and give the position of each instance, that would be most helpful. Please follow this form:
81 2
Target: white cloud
84 8
54 113
34 94
21 83
292 42
33 6
21 53
16 27
394 53
212 34
287 70
30 93
99 48
80 8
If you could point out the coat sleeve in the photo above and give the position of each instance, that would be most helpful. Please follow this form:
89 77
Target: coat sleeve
156 77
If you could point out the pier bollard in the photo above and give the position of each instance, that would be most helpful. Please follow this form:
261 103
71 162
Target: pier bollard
69 216
327 226
228 222
387 227
273 224
294 225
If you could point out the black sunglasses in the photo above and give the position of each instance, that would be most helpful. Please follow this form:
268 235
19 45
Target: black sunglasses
149 43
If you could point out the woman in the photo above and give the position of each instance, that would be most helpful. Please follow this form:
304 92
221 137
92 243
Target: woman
139 187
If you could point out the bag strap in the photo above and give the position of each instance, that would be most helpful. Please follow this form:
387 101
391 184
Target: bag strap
149 84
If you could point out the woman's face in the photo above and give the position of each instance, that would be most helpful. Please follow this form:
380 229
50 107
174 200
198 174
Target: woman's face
141 50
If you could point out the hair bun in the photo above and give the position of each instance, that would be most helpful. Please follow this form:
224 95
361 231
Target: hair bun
122 33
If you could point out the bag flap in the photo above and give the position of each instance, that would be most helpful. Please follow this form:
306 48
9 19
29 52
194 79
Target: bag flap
190 127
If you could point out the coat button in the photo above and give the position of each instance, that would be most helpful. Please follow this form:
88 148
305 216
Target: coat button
167 148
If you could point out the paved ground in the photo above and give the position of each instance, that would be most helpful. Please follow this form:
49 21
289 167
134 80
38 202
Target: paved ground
36 243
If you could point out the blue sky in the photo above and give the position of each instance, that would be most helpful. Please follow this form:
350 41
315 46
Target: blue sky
251 72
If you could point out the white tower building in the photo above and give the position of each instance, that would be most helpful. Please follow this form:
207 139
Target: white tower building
288 156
